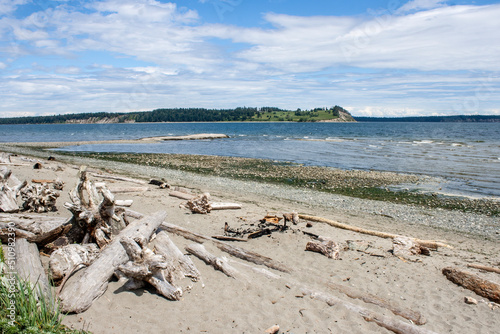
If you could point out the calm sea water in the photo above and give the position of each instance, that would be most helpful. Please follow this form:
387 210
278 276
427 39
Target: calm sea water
465 156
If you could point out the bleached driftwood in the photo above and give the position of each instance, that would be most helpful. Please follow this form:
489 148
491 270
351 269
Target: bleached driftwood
416 317
8 195
225 206
65 259
384 321
118 178
406 248
145 265
181 195
178 264
431 244
485 268
90 283
124 202
482 287
116 190
95 217
230 249
35 228
328 248
39 198
218 263
200 204
29 268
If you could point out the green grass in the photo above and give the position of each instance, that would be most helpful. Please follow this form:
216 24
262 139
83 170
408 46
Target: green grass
290 116
32 312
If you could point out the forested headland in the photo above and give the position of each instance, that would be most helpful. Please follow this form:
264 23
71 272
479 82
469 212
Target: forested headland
240 114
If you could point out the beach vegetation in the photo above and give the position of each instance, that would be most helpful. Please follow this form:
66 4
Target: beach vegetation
23 309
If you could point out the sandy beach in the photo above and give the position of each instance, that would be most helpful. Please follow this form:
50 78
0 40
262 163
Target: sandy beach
253 302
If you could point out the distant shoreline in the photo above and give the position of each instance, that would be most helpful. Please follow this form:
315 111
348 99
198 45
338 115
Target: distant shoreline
449 119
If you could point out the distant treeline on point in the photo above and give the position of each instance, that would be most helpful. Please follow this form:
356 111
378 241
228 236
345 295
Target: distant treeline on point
458 118
240 114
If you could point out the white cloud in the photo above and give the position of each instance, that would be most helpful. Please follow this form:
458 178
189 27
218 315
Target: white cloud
419 59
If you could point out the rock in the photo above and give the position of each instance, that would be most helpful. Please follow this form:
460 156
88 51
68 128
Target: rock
470 301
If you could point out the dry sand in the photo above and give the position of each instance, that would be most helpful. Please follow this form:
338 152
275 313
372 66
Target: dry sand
253 303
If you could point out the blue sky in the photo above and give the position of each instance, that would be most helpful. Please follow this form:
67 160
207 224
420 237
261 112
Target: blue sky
374 58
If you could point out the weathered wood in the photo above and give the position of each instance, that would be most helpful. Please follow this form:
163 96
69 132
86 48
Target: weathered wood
94 214
426 243
35 228
406 248
118 178
90 283
485 268
384 321
147 266
226 238
178 264
181 195
200 204
218 263
8 195
328 248
29 268
39 198
230 249
125 202
225 206
116 190
65 259
482 287
416 317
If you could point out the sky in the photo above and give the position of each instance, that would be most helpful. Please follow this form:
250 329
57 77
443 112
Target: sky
374 58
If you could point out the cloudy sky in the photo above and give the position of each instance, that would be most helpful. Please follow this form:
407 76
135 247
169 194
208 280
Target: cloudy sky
374 58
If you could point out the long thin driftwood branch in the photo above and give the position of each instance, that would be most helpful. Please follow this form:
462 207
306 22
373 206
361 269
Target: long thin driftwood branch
225 247
426 243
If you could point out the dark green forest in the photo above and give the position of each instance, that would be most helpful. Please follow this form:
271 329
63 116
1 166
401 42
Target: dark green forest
240 114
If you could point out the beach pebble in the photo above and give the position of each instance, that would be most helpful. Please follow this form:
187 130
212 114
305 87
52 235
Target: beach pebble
470 301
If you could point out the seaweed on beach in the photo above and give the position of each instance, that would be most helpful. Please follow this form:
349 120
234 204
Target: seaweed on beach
354 183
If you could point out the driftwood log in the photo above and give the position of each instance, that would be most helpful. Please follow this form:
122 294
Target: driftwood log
394 325
218 263
230 249
118 178
178 264
415 317
328 248
145 265
66 259
225 206
29 268
431 244
181 195
36 228
407 248
90 283
482 287
94 215
8 195
485 268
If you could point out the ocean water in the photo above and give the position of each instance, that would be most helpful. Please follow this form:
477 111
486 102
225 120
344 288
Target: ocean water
464 157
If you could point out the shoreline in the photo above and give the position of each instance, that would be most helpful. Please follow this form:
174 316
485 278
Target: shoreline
387 186
458 219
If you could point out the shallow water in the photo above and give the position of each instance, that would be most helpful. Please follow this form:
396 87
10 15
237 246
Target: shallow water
465 155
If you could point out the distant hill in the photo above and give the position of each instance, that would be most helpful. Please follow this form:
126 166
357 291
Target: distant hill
240 114
460 118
